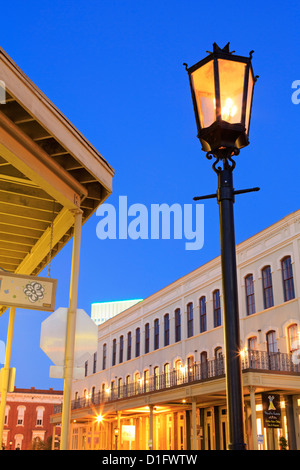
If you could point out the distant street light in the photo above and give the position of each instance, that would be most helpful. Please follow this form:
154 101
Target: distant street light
222 90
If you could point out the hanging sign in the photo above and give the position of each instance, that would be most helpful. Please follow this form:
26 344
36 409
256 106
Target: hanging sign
271 410
25 291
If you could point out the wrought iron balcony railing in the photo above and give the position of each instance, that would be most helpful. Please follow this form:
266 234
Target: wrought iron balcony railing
253 360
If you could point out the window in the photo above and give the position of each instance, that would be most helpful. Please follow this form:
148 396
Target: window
114 352
121 350
177 325
129 346
137 342
167 374
156 377
202 312
287 278
219 363
166 330
21 412
203 365
127 386
104 357
120 387
39 415
190 320
7 409
86 368
218 352
94 363
250 300
156 333
146 381
271 342
190 367
293 338
137 382
147 337
267 287
112 389
93 394
252 343
217 308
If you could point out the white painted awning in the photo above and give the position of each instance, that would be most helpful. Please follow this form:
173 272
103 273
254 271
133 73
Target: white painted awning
47 169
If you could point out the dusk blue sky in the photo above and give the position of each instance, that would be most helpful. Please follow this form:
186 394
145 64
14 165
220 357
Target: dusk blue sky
114 68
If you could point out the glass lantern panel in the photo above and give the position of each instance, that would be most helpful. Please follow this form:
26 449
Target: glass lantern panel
231 80
249 101
204 89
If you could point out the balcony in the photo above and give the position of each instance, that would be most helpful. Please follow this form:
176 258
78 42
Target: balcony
259 361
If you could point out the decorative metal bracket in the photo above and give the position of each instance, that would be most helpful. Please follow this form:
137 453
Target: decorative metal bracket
225 155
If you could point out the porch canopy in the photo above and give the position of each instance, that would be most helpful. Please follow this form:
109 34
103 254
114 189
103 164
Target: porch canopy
47 170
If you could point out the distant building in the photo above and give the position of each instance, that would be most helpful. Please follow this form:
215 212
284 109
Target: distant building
103 311
27 418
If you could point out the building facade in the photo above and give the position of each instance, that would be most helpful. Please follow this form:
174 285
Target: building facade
103 311
157 380
27 418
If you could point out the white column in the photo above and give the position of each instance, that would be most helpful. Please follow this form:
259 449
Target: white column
70 334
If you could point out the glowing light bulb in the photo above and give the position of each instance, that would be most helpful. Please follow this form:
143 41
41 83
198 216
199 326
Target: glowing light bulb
229 110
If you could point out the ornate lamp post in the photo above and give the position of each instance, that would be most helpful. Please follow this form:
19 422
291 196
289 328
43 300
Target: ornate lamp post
222 90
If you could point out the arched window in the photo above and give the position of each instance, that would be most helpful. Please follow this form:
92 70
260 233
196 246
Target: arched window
267 287
127 386
128 345
287 278
252 343
202 313
217 308
219 362
293 338
94 363
104 391
114 352
271 342
190 367
156 333
177 325
167 374
120 387
121 350
137 342
218 352
93 394
146 381
203 365
166 330
190 320
104 357
147 338
156 377
250 300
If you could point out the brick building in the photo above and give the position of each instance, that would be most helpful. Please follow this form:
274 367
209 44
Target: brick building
27 417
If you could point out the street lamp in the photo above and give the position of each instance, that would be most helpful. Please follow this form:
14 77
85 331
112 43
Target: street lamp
222 90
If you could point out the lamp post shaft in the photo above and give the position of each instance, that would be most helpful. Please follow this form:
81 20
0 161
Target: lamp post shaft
225 196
